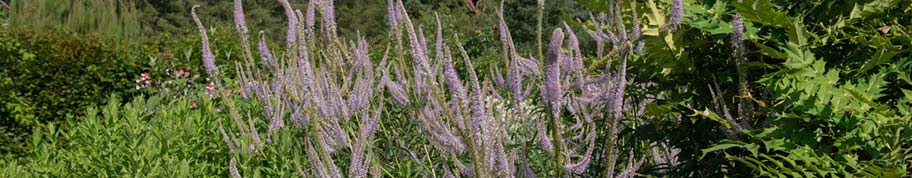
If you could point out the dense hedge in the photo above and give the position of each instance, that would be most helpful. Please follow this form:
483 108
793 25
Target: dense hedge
49 76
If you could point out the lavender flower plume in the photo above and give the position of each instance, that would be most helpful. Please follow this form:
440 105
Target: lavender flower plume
528 66
478 102
516 79
265 54
498 78
416 47
426 62
399 96
329 17
309 19
208 58
674 20
291 35
392 12
504 32
277 121
317 167
479 119
583 164
363 90
553 92
358 165
543 140
452 77
240 23
457 89
226 138
232 167
254 133
575 62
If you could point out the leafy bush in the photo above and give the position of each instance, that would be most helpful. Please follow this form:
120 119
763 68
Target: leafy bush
49 76
837 106
825 126
141 138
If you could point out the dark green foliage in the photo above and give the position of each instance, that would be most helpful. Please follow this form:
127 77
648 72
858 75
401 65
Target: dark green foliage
184 52
173 17
49 76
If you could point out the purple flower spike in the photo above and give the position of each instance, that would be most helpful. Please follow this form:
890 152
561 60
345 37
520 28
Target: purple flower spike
674 21
553 92
208 58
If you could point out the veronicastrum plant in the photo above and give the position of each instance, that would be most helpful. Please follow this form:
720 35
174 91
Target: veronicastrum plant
332 92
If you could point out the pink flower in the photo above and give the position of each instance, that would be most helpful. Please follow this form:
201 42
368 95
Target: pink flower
210 89
193 105
181 73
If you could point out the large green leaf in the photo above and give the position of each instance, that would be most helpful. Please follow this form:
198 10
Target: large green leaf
763 12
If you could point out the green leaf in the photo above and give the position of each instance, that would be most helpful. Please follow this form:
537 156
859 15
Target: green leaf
723 146
653 109
871 8
882 57
798 34
768 51
711 116
763 12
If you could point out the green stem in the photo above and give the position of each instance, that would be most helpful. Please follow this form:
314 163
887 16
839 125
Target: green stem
558 143
541 14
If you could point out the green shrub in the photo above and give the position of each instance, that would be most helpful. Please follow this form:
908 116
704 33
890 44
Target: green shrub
50 76
140 139
156 136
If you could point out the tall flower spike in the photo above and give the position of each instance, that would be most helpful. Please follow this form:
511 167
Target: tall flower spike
479 117
419 55
504 32
309 19
240 23
674 21
265 54
516 79
329 17
226 138
457 89
358 165
232 167
744 105
291 35
392 15
553 92
399 96
208 58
